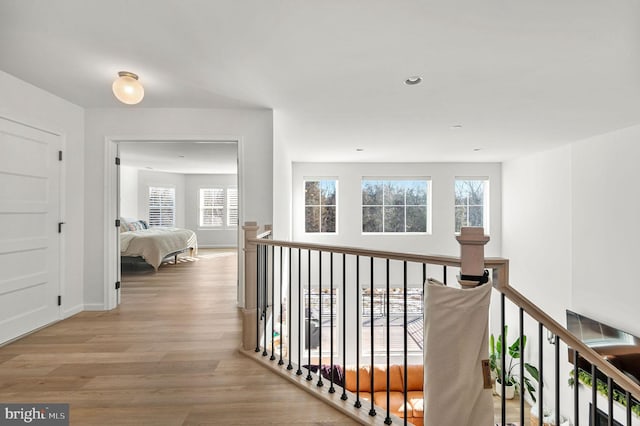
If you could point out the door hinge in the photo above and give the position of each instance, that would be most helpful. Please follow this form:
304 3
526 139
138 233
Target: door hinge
60 227
59 155
117 285
117 223
117 161
59 300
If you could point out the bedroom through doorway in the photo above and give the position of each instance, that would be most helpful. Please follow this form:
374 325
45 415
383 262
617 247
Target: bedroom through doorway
175 199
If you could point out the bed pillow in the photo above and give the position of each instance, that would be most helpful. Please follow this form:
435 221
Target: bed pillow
138 225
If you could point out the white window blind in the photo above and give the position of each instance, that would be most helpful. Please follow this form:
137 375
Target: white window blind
211 206
162 206
232 207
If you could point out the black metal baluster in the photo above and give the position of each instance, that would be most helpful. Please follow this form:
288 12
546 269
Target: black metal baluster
557 349
372 410
280 361
610 407
273 303
576 391
387 419
308 311
265 295
424 275
331 298
522 388
406 373
594 392
629 404
358 404
289 319
300 317
503 347
540 382
344 326
258 309
444 274
320 384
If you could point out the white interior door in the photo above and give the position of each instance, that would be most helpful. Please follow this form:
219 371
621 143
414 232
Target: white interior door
29 238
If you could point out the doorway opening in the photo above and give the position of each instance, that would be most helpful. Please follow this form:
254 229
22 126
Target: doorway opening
190 185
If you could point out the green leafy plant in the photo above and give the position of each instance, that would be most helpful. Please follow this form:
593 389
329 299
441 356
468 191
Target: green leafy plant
586 379
514 358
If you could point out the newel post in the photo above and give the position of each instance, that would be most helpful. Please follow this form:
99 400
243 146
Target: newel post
250 310
472 241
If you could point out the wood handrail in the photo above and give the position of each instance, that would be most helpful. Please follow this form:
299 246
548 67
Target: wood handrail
570 340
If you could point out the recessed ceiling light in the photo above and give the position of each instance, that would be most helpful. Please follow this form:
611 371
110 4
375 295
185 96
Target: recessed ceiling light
359 149
477 149
181 156
412 81
456 126
149 168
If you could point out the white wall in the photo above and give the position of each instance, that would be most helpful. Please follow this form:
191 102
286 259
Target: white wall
148 178
224 236
570 232
129 192
606 229
28 104
349 175
536 229
254 129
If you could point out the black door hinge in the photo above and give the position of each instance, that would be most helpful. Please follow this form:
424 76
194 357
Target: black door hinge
117 223
117 161
117 285
60 227
59 300
59 155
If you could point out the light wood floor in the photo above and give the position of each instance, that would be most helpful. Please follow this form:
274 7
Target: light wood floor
166 356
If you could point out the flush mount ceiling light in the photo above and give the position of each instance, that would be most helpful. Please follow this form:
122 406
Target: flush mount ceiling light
412 81
127 89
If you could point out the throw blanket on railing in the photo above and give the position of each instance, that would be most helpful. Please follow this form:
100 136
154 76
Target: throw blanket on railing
155 244
456 333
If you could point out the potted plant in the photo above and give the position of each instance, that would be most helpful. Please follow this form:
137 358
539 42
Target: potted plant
511 373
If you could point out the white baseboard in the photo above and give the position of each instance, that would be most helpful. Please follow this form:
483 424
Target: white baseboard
214 246
72 311
94 307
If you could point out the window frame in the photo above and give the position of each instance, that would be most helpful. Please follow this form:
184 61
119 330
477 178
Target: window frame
319 179
202 207
229 208
171 190
383 179
486 200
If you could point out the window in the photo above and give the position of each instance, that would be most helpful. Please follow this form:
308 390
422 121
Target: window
232 207
211 206
471 203
321 302
162 206
391 206
320 205
415 321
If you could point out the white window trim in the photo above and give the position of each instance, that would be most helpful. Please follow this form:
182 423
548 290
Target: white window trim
225 209
402 179
486 216
161 186
306 179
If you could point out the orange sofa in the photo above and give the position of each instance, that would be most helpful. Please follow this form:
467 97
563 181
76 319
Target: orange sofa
415 379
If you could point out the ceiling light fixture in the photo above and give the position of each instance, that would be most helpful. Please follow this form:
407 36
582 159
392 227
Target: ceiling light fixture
127 89
412 81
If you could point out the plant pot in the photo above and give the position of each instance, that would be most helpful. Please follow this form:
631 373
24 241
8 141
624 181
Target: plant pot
509 393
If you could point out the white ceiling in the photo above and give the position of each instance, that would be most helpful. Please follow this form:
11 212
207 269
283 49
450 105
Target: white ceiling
519 76
180 157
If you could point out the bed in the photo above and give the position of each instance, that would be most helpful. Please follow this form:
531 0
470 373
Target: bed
153 245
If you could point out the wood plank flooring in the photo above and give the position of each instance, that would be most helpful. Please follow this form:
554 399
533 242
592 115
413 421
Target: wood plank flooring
166 356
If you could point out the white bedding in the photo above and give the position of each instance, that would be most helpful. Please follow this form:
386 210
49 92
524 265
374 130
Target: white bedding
155 244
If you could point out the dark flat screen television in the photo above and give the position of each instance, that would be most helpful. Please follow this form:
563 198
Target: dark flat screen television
620 348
